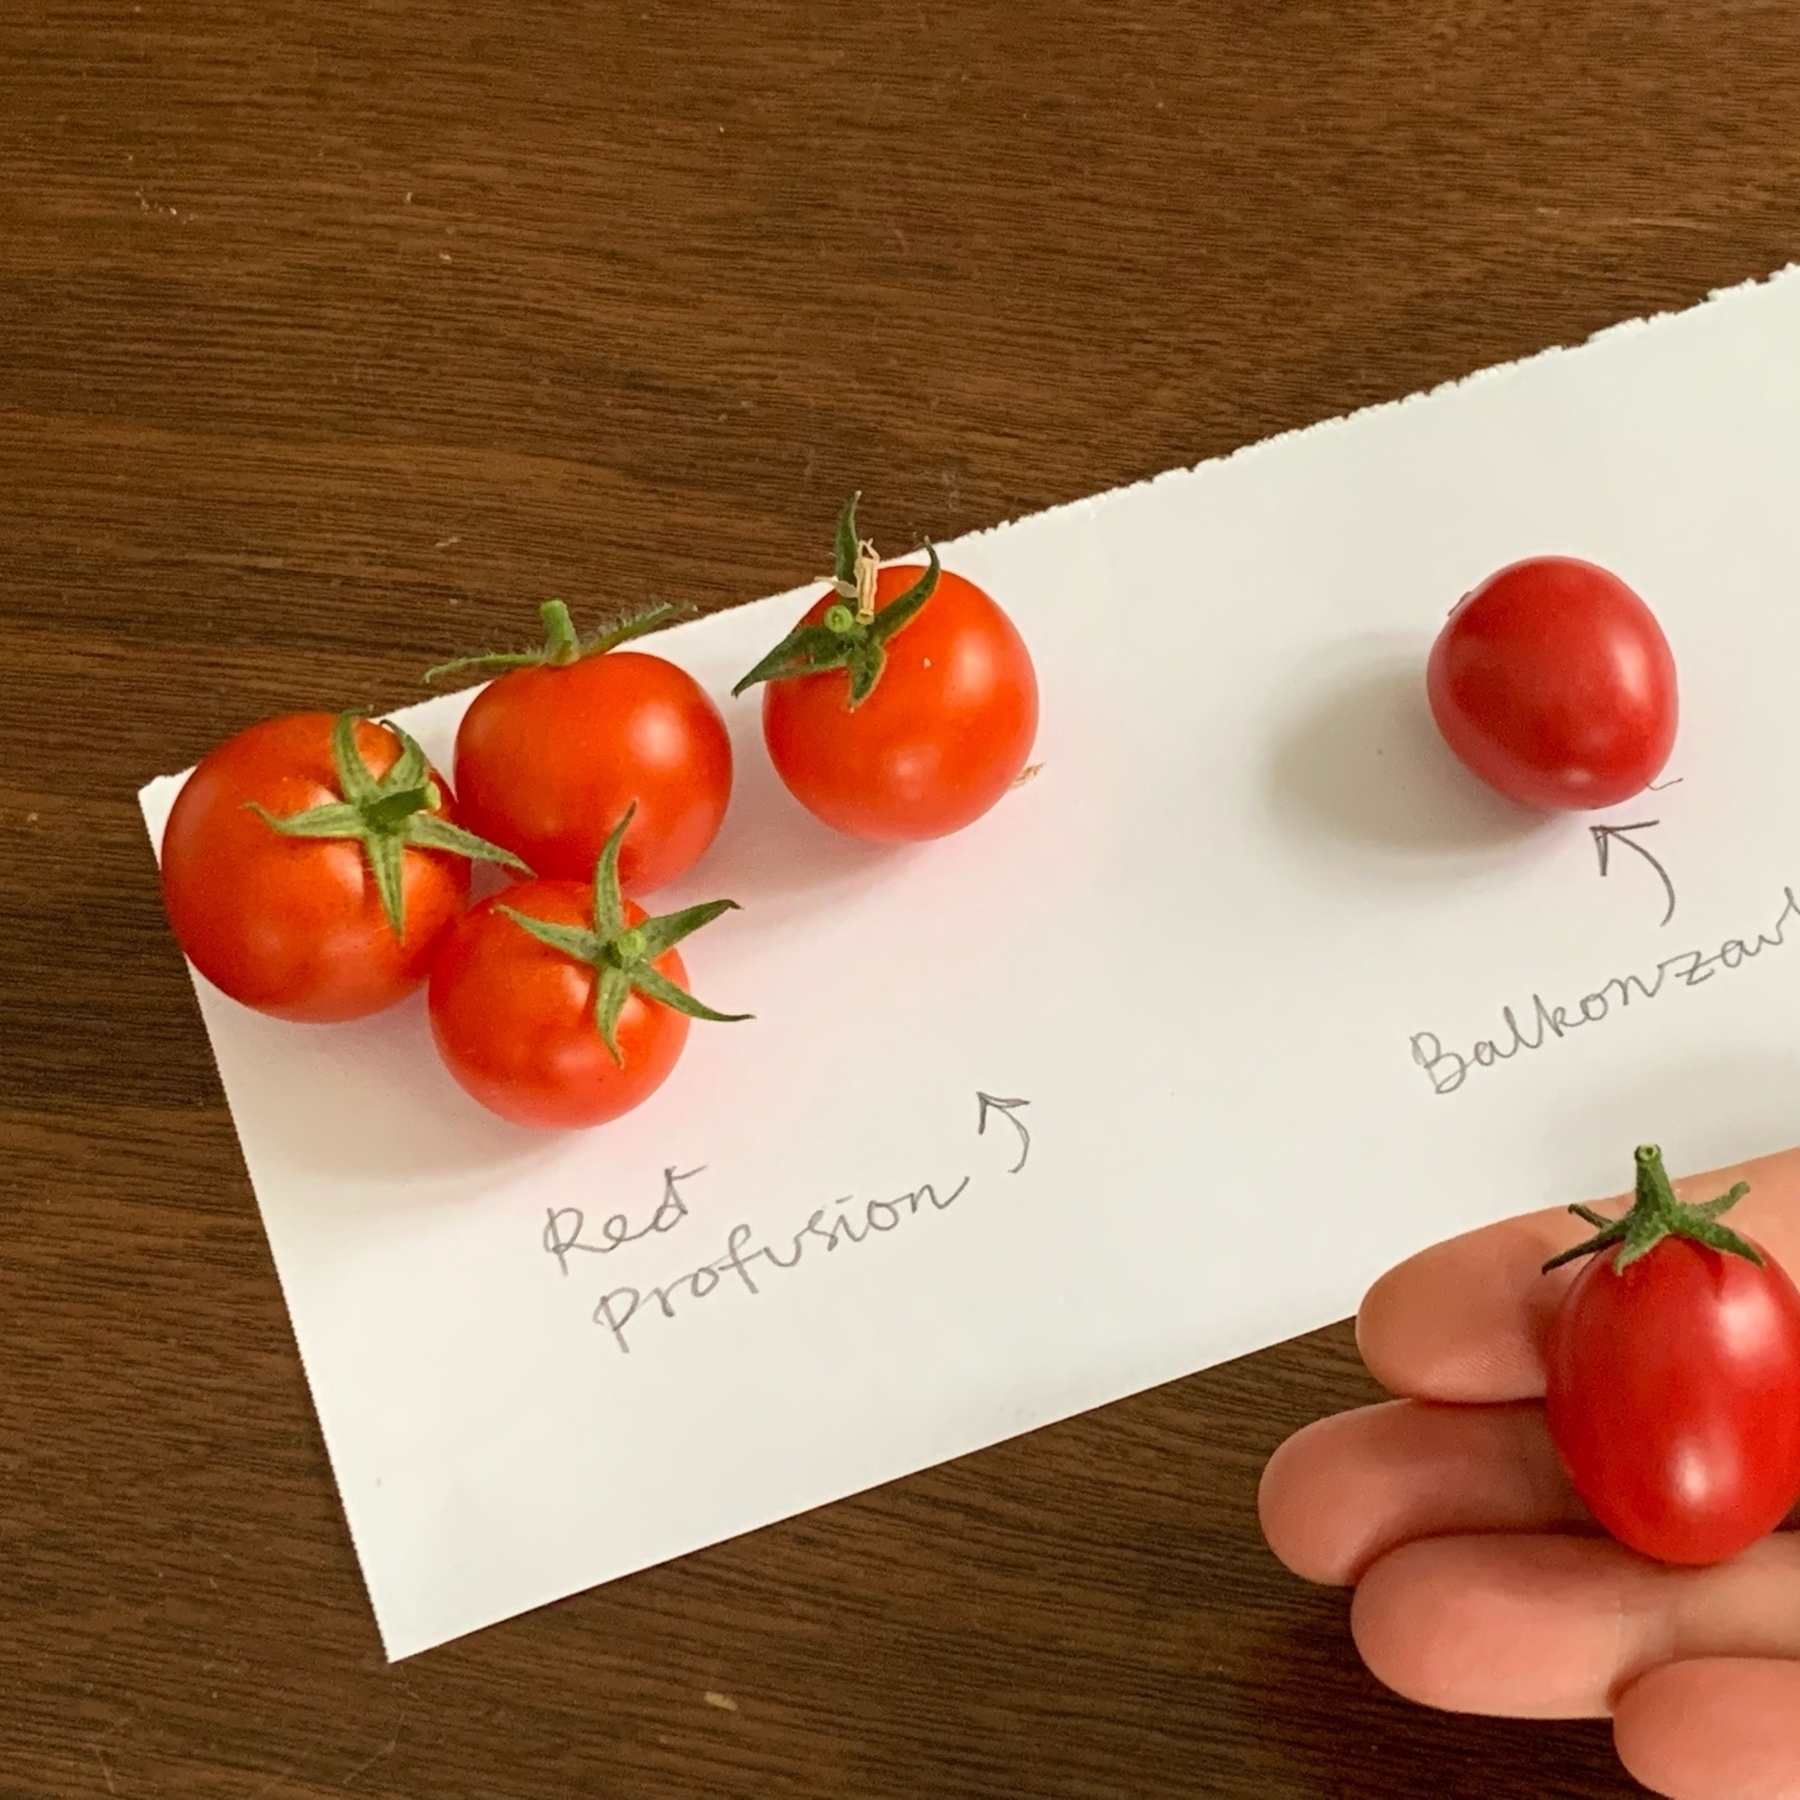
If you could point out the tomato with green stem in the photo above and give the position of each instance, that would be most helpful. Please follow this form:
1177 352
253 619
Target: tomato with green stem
570 736
311 865
903 704
560 1004
1672 1376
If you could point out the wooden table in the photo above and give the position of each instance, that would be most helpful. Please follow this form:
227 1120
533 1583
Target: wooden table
335 333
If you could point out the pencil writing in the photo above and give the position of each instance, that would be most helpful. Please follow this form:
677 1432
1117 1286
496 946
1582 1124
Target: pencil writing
1447 1069
747 1264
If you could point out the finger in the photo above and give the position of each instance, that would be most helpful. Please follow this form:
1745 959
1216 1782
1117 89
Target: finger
1346 1490
1343 1491
1717 1728
1465 1319
1556 1627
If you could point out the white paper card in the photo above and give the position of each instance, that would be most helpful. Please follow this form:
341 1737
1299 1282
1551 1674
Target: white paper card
1225 951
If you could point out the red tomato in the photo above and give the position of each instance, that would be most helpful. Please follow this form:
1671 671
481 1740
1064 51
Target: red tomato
1673 1398
944 734
514 1018
548 759
294 926
1553 682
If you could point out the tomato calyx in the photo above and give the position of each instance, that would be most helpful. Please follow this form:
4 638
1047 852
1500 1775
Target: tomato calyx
623 956
853 634
561 645
1656 1214
386 816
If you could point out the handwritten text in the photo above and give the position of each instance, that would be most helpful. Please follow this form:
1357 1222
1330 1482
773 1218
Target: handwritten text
745 1264
1447 1069
564 1225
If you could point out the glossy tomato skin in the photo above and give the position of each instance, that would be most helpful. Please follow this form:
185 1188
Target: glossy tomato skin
1553 682
514 1019
1673 1398
945 733
548 759
294 926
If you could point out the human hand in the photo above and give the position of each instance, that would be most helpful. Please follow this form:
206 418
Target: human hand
1482 1583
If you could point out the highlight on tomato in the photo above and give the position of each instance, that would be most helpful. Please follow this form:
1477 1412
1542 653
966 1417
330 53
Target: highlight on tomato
311 865
1552 681
903 704
1672 1374
560 1004
570 737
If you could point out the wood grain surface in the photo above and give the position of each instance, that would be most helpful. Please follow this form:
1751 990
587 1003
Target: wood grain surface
336 333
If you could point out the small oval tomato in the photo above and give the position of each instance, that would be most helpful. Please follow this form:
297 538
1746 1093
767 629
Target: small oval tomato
550 755
907 718
1673 1383
559 1004
1553 682
273 875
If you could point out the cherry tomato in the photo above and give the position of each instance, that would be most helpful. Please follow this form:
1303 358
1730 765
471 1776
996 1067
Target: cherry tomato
1673 1396
942 736
560 1004
514 1018
295 925
1553 682
549 757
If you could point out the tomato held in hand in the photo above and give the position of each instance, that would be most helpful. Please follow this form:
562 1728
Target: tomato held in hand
552 753
559 1004
903 704
310 866
1553 682
1673 1378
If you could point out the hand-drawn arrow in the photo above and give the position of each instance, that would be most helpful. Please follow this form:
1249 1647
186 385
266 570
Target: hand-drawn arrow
1603 837
987 1101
